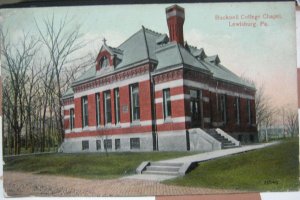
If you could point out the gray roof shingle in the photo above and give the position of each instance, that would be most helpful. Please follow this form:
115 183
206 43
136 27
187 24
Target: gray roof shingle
146 45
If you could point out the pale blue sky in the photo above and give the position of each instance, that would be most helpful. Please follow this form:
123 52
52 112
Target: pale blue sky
264 54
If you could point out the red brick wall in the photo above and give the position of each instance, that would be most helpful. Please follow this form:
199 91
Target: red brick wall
91 110
78 114
124 103
177 106
175 25
66 112
145 100
112 131
159 111
66 123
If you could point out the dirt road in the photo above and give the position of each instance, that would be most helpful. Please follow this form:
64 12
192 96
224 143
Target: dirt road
25 184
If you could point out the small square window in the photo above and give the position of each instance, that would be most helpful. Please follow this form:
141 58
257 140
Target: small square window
134 143
85 144
108 144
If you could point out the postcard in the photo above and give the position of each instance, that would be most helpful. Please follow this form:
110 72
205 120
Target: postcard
148 100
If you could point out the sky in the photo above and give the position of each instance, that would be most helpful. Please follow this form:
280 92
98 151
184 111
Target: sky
265 53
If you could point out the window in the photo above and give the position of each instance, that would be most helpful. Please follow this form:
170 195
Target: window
103 62
167 103
107 144
223 107
85 118
117 144
98 144
71 118
134 143
195 107
117 105
134 102
85 144
237 110
107 107
98 109
249 111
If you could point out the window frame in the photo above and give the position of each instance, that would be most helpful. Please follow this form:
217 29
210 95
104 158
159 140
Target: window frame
85 144
132 143
107 118
98 111
238 110
103 60
134 98
223 107
167 103
98 145
249 114
72 118
84 111
117 105
106 142
117 144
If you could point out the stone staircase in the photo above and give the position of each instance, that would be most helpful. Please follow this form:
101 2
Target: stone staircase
160 168
226 144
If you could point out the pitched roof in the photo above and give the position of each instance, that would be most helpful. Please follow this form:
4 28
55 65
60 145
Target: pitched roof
146 45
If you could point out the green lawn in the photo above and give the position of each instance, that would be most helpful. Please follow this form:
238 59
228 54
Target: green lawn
93 165
275 168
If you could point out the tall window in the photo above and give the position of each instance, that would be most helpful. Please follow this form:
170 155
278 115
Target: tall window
98 144
195 107
249 111
107 107
167 103
135 103
237 110
117 143
117 105
98 109
223 107
71 118
85 118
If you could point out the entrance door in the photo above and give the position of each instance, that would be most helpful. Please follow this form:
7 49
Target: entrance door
195 108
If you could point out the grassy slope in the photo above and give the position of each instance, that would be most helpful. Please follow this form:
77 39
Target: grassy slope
94 165
275 168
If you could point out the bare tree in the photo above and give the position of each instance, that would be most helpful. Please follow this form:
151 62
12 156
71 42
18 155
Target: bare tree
264 111
61 41
17 59
291 123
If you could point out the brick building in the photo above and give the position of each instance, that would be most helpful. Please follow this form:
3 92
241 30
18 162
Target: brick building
156 92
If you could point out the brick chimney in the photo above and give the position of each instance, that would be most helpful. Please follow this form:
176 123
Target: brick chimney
175 20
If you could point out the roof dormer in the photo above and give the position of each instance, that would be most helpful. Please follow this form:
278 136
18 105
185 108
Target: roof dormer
213 59
108 57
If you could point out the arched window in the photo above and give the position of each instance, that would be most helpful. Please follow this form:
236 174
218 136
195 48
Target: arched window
103 62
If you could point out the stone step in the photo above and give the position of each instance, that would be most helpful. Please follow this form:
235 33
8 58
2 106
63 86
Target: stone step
166 164
160 172
227 142
228 146
163 168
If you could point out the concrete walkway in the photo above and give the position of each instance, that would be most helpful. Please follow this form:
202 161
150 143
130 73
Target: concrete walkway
202 157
